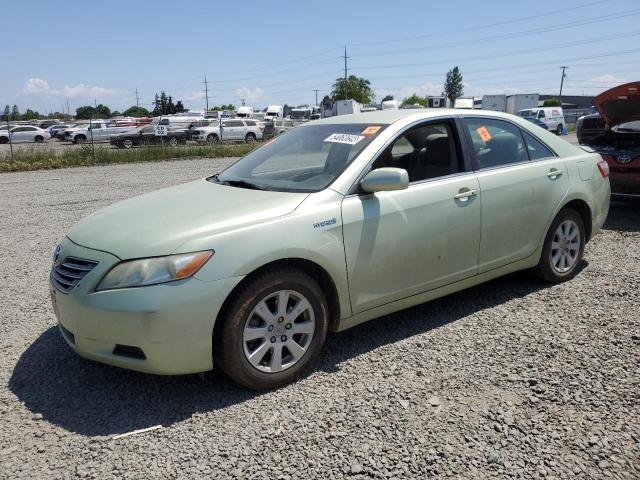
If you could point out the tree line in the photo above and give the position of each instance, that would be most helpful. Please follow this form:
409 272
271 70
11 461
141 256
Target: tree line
353 87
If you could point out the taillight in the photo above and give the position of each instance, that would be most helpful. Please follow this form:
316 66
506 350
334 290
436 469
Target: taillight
603 166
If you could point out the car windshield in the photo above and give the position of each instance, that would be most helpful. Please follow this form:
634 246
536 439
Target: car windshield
527 113
305 159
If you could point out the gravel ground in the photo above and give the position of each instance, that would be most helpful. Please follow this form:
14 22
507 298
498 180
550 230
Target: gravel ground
509 379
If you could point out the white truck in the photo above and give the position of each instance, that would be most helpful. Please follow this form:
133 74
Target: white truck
96 131
244 112
497 103
346 107
273 112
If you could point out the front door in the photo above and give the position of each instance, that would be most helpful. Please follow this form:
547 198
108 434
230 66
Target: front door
401 243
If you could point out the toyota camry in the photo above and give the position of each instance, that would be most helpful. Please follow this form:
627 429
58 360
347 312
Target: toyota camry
331 224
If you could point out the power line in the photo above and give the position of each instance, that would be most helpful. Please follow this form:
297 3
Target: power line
524 33
482 27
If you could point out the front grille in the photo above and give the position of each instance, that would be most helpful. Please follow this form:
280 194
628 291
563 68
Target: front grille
67 274
593 123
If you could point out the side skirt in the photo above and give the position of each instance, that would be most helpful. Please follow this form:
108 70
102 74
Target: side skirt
445 290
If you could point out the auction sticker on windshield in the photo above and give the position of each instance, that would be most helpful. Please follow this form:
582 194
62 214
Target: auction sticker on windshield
371 130
344 138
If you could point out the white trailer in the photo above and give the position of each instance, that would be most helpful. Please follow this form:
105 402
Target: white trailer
496 103
521 101
346 107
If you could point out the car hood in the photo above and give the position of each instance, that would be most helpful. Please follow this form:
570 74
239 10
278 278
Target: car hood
157 223
620 104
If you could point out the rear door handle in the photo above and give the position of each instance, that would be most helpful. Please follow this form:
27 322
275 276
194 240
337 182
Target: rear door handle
554 173
464 196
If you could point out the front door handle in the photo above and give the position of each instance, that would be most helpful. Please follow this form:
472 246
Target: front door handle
554 173
463 196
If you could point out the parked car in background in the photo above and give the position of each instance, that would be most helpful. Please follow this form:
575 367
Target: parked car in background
46 124
275 128
96 131
146 136
335 223
24 133
53 130
237 129
614 132
552 117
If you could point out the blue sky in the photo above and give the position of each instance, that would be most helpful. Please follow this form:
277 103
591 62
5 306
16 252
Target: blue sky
279 52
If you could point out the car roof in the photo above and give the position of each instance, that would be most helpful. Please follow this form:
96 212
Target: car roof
392 116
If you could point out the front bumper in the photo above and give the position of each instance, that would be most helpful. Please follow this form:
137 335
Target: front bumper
171 324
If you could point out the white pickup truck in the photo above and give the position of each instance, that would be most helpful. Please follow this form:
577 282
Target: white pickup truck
98 131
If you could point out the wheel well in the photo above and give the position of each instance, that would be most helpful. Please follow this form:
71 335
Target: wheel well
312 269
584 211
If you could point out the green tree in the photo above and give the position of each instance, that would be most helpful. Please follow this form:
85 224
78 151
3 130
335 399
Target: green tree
551 102
102 111
179 107
453 87
30 115
7 112
136 112
353 88
386 98
15 113
415 98
85 112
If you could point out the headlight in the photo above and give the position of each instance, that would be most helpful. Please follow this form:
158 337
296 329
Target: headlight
151 271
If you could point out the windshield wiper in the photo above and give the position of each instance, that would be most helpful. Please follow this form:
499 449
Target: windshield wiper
243 184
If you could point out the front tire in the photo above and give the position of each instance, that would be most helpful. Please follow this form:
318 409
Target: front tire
250 138
80 139
173 141
212 139
563 248
38 139
272 330
126 143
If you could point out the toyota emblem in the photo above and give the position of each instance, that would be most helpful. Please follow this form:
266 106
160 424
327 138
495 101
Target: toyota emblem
57 254
624 159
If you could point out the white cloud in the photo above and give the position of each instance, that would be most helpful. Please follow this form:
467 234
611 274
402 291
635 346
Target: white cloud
40 87
250 96
189 97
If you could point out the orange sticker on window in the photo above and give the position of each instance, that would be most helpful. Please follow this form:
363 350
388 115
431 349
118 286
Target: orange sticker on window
370 130
485 136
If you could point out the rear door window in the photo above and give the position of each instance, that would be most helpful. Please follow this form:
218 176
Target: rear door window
496 142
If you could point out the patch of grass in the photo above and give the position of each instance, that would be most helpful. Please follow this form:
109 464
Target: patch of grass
39 159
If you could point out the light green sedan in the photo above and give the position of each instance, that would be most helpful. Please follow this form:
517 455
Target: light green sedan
331 224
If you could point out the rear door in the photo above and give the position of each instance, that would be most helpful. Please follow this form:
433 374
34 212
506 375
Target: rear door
401 243
522 183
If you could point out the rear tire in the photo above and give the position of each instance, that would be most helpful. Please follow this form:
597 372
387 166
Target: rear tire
275 347
250 138
212 138
126 143
4 140
38 139
563 248
173 141
80 139
559 129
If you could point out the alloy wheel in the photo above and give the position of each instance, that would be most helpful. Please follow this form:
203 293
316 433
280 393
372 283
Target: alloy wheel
278 331
565 246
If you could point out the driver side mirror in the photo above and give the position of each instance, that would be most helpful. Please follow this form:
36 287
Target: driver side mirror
385 179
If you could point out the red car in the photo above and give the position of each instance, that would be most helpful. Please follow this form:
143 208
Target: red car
614 132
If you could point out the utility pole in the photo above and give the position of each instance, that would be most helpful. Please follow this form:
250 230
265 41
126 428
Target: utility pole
137 100
562 83
206 92
68 113
316 90
346 85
